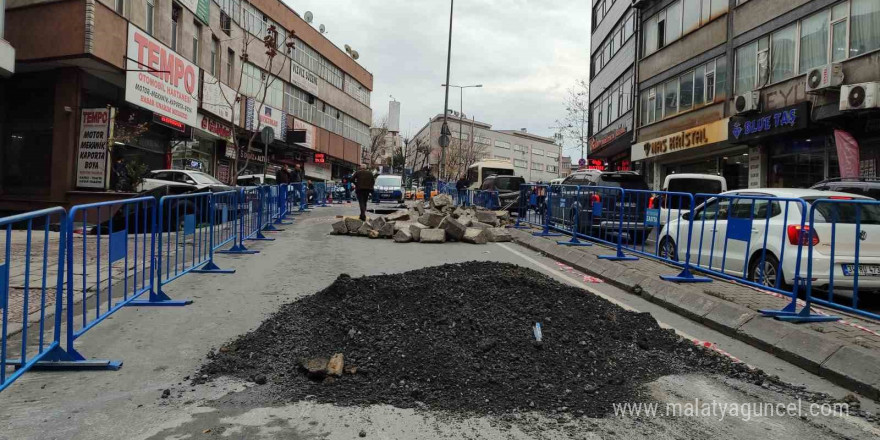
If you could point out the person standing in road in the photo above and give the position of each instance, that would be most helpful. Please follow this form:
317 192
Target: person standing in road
282 176
363 181
296 182
462 186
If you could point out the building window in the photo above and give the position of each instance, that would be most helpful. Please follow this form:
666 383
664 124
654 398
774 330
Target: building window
215 50
120 7
865 27
613 103
617 38
678 19
537 152
501 157
196 45
746 66
552 155
519 163
225 23
783 44
151 6
230 67
537 166
502 144
690 90
686 95
814 41
552 169
175 25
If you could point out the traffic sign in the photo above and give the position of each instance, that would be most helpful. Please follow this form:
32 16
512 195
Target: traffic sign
444 140
267 135
445 129
582 162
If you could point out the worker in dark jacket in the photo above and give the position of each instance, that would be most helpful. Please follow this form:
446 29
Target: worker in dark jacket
282 176
363 181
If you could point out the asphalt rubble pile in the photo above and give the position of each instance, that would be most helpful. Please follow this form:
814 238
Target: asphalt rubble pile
464 339
442 221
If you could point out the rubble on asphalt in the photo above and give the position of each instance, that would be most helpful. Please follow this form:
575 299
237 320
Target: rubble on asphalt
461 338
441 222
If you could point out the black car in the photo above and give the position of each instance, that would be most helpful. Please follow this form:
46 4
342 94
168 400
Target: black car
863 186
593 198
507 188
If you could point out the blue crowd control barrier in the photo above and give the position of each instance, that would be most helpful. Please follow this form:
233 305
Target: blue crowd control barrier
253 214
225 220
31 286
487 199
532 209
183 242
843 257
320 194
270 207
302 192
654 209
111 252
282 206
563 195
243 217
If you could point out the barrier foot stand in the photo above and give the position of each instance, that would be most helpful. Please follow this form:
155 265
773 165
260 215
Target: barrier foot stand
58 359
260 237
280 221
159 299
574 242
238 249
270 228
619 257
546 233
210 267
686 276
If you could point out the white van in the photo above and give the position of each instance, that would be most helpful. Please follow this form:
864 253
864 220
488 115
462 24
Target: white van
685 183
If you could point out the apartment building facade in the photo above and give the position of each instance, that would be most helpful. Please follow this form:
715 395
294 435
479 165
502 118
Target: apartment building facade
172 79
761 92
613 46
535 158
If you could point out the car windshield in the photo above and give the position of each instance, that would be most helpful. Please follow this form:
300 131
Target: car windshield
388 181
496 171
842 212
625 181
205 179
507 184
694 186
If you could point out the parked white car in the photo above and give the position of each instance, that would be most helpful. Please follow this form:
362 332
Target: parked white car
724 238
672 207
198 179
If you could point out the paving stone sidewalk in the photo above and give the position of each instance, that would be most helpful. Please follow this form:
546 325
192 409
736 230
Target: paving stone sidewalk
846 351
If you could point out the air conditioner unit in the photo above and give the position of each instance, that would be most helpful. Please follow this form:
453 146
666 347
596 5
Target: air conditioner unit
860 96
747 103
824 77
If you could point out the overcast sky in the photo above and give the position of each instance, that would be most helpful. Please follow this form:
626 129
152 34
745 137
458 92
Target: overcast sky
526 53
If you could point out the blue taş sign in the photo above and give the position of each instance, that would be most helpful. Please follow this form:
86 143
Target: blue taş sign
743 129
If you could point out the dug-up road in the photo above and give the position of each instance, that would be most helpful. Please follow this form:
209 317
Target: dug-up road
163 348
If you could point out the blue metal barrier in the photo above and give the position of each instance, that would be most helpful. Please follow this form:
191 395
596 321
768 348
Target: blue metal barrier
302 191
269 195
111 248
252 219
532 209
28 270
243 217
225 220
184 242
487 199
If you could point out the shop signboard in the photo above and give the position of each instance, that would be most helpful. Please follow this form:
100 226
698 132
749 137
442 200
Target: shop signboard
159 79
302 78
200 8
756 168
91 162
215 128
691 138
217 98
743 129
311 132
258 116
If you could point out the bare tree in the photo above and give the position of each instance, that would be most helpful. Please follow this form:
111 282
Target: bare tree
574 127
378 135
271 71
418 151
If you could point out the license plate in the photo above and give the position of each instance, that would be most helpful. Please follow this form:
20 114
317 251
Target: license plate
384 196
865 270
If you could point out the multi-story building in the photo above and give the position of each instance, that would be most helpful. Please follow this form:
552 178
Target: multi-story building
612 61
762 92
150 81
565 166
536 158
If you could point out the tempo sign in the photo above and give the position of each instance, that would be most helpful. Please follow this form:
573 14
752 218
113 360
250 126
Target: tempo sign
160 79
91 155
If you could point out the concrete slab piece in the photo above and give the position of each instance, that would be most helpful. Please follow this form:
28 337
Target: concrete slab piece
728 317
764 332
857 368
806 348
695 305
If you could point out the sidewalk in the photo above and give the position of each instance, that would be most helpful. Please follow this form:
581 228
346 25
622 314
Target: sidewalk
846 352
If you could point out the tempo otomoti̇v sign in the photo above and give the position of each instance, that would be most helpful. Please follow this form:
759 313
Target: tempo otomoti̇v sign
160 79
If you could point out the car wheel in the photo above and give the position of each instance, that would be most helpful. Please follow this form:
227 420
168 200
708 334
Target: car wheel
765 272
667 249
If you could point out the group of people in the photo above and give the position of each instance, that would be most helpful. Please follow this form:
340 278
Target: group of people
285 175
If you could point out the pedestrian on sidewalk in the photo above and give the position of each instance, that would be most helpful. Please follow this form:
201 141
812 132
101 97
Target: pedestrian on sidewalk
296 183
363 181
282 176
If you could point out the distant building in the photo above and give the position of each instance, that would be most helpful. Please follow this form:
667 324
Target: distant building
7 52
536 158
565 166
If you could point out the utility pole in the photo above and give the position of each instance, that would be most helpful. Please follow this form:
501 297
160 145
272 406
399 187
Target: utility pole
445 127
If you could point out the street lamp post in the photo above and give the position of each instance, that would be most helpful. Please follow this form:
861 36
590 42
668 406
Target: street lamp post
460 111
446 100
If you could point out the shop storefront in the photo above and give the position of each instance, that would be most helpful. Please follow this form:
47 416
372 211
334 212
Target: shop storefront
702 150
612 147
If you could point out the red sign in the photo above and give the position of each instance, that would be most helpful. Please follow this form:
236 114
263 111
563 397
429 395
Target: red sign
215 127
599 142
596 164
847 154
319 157
169 122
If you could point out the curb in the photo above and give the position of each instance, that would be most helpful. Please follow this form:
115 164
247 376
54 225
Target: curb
852 367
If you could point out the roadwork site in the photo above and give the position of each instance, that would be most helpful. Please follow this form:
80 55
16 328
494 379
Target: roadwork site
333 337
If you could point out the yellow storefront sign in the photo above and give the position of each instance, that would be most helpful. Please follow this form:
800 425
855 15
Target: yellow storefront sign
690 138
